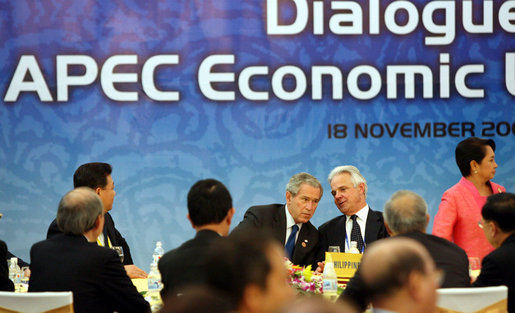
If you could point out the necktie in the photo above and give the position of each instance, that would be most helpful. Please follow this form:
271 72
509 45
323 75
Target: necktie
290 243
355 234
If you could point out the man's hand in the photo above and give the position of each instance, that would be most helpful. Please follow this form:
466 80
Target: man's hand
320 268
135 272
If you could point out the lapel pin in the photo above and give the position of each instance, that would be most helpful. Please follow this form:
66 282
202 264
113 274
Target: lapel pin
304 243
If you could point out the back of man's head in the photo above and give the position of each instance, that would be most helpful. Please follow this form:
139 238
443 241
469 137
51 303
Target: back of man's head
399 272
78 211
249 260
92 175
208 202
405 212
500 208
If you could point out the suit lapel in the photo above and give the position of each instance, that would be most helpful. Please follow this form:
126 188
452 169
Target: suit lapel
372 226
279 225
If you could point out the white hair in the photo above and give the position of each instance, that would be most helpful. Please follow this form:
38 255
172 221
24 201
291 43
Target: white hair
355 176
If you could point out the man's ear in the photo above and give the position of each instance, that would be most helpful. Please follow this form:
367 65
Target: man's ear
189 219
229 215
288 196
415 285
361 187
388 229
252 298
98 190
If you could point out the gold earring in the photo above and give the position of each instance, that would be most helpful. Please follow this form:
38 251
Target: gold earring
475 171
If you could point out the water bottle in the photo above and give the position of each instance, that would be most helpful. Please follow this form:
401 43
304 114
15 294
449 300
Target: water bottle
330 280
354 247
15 273
154 285
158 252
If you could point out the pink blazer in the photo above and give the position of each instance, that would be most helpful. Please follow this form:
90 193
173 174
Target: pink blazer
458 216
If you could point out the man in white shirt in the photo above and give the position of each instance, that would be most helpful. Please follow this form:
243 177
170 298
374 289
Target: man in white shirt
359 222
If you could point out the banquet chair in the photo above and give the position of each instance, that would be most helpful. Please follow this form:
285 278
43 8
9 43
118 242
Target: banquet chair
36 302
473 299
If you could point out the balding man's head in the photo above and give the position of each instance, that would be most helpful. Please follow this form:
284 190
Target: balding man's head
406 212
78 211
397 272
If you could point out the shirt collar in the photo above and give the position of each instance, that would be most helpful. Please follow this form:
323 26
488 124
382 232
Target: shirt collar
289 219
363 213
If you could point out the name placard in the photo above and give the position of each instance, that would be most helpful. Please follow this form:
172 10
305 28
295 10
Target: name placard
345 264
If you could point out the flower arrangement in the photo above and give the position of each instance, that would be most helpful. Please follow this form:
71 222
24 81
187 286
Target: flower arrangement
303 279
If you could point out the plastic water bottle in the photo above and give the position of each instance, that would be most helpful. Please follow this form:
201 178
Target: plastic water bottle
154 286
330 280
15 273
354 247
158 252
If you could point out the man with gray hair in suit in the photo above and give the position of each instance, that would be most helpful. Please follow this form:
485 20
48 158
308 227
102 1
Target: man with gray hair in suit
405 215
72 260
358 221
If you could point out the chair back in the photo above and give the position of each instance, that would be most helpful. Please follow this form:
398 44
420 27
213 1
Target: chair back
36 302
473 299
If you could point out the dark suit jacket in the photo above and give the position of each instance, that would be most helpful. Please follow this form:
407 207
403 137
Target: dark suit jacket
498 268
273 218
5 283
332 233
109 231
447 256
185 265
94 274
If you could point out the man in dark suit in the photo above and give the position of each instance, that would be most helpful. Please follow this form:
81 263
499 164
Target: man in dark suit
98 177
5 283
498 224
210 212
358 223
290 223
73 261
405 215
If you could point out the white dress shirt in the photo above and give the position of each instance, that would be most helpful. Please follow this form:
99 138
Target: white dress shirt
289 224
362 222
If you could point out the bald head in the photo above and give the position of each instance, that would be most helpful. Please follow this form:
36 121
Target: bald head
387 265
406 212
78 211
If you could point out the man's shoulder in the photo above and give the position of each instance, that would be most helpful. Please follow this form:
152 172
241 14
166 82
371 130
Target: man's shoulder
195 245
376 214
437 242
266 208
332 223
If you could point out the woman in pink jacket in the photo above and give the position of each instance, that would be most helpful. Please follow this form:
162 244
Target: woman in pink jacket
460 210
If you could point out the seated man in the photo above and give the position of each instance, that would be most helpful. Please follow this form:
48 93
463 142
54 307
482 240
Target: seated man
498 224
73 261
357 222
97 176
5 283
401 276
248 268
405 214
210 212
290 223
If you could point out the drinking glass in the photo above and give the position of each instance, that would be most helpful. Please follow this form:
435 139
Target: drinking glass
118 250
333 249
